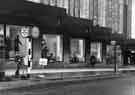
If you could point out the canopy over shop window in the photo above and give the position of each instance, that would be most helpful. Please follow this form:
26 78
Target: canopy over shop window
28 13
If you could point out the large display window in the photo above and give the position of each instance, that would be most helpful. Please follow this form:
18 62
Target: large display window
16 41
77 49
52 47
110 54
96 50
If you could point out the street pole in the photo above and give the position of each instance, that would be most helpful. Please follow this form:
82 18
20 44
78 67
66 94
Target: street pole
115 61
29 57
113 43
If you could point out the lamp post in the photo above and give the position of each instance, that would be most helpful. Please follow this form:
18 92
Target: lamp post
113 43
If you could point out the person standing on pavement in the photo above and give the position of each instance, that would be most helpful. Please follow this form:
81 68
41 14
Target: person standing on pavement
93 60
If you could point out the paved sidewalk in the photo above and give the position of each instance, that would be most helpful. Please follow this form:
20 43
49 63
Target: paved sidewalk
10 72
43 81
49 76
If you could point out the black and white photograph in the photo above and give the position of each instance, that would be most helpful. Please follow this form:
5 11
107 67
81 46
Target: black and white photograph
67 47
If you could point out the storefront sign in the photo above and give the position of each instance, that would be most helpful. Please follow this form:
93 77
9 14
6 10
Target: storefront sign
35 32
25 31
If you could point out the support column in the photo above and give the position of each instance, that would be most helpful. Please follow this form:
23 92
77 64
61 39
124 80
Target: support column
29 56
66 47
87 50
104 49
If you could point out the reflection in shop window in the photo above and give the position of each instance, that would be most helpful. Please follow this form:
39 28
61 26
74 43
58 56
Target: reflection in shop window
16 42
96 50
2 45
110 54
51 46
77 47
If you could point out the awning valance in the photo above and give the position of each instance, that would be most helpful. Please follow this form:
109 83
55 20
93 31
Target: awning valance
25 9
105 34
76 26
100 33
22 6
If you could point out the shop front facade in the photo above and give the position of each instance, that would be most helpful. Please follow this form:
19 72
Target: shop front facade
16 28
62 50
65 42
101 47
54 43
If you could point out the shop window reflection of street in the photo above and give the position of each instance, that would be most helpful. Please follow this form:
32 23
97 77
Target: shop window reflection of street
51 47
77 49
96 50
16 43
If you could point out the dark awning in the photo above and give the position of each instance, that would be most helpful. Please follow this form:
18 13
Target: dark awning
100 33
25 9
129 43
118 37
76 26
36 9
104 34
17 20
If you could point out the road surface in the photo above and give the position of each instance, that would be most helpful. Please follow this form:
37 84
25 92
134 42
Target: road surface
117 86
